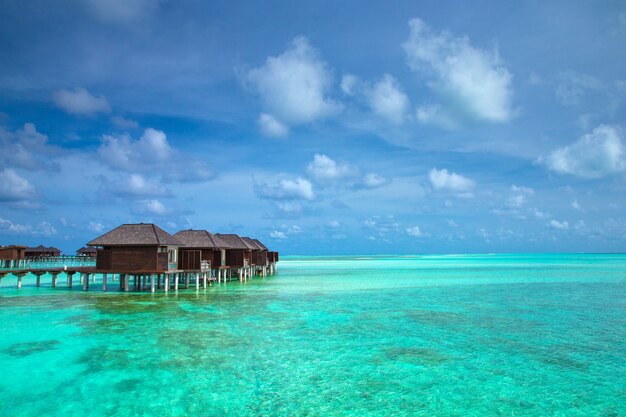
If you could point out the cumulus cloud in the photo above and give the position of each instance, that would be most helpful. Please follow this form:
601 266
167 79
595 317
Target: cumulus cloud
124 123
295 85
278 235
286 189
472 77
28 149
597 154
14 187
443 180
414 231
518 196
323 168
333 224
151 153
555 224
434 115
41 229
149 207
272 127
373 180
349 83
387 100
133 186
80 101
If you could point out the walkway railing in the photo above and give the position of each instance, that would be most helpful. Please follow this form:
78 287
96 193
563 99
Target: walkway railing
50 262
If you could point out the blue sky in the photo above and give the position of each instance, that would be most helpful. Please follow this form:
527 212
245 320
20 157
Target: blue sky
319 127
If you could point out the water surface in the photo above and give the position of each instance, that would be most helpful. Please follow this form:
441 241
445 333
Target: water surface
456 335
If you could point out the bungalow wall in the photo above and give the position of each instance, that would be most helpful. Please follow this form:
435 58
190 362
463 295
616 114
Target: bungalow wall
131 258
235 257
12 253
189 259
259 258
216 256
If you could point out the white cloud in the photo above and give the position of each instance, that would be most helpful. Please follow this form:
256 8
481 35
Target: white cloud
14 187
555 224
277 234
323 168
124 123
28 149
473 77
285 189
290 207
152 154
414 231
575 205
42 229
96 227
518 196
133 186
434 115
373 180
272 127
333 224
450 181
294 86
597 154
386 99
349 84
149 207
338 236
80 101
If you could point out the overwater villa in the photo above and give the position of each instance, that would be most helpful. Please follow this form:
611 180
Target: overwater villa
42 251
147 257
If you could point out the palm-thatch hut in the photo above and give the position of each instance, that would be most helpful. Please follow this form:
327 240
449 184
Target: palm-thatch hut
143 247
200 248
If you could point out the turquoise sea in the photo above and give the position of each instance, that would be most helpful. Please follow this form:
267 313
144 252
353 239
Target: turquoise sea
456 335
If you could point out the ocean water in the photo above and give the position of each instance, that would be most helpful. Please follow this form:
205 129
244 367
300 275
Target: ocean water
473 335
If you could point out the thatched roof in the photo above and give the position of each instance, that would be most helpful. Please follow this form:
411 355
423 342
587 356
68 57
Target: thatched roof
200 239
233 241
43 249
14 247
86 250
259 244
142 234
251 243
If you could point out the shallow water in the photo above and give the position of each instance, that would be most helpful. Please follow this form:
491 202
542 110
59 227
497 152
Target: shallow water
519 335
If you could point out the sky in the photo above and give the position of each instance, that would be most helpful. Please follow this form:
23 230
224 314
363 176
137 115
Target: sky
319 127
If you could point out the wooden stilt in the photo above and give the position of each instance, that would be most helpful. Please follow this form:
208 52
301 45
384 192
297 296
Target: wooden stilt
166 282
176 282
54 279
197 281
38 279
19 280
125 278
104 282
70 275
186 280
86 282
152 276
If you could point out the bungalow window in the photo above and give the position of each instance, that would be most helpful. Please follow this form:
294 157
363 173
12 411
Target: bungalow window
172 255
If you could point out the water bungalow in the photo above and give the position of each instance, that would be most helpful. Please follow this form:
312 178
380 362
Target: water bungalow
202 251
12 256
87 251
42 252
148 257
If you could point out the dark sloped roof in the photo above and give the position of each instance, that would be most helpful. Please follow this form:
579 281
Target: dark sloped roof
200 239
233 241
43 249
259 244
86 249
142 234
14 247
251 243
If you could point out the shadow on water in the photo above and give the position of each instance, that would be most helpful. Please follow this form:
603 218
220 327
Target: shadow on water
31 348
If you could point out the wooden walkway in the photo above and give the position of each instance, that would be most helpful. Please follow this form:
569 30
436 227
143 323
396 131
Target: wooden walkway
140 280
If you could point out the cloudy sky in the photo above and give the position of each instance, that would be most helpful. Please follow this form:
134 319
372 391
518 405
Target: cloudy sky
319 127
